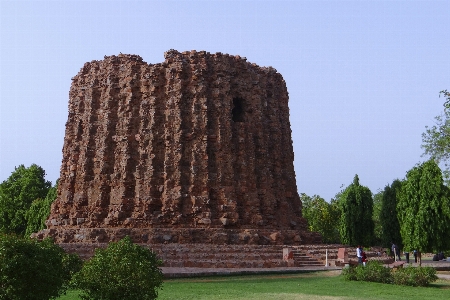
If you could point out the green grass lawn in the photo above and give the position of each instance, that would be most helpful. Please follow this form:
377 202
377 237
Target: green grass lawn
317 285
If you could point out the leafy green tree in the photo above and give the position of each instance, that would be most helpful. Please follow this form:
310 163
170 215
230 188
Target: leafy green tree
436 139
378 229
334 214
39 211
16 195
389 216
423 209
321 217
356 206
31 269
122 271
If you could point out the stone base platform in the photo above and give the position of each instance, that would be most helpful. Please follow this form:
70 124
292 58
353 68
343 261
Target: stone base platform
176 255
213 236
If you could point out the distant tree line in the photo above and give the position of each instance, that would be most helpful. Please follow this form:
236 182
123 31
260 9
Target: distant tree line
413 213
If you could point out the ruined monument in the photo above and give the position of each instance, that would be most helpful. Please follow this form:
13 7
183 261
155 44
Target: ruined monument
196 149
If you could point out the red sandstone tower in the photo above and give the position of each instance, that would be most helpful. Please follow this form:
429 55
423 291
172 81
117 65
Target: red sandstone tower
195 149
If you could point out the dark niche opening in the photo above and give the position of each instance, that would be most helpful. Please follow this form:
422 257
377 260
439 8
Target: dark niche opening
238 110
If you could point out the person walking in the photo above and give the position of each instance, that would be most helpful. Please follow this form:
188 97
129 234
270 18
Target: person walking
399 257
394 251
359 254
363 257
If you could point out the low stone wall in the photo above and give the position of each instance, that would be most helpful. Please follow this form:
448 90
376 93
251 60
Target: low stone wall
201 255
204 255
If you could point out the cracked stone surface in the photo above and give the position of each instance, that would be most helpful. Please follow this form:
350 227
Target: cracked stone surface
194 149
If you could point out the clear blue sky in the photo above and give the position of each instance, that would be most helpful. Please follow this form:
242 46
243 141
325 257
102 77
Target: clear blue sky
363 76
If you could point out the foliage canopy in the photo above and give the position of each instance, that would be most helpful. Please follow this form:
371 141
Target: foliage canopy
378 229
356 206
436 139
321 217
388 215
424 209
16 195
39 211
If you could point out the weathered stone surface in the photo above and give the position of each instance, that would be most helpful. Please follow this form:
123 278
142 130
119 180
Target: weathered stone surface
205 255
195 148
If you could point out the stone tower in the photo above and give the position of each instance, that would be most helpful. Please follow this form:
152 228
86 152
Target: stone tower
195 149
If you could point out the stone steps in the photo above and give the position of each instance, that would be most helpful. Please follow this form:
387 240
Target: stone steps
301 259
328 253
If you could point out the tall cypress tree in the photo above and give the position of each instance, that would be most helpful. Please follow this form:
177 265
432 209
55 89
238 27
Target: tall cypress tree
388 215
424 209
356 224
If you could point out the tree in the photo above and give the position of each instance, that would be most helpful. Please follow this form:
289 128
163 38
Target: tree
356 206
16 195
335 216
389 216
31 269
378 229
39 211
423 209
122 271
321 217
436 139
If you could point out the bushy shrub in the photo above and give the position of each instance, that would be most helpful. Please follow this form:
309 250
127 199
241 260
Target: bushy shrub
31 269
420 276
374 271
122 271
349 273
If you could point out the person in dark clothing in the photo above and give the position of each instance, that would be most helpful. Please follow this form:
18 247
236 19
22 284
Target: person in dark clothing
397 249
363 258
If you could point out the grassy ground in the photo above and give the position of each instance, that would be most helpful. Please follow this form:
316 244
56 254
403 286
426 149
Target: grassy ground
319 285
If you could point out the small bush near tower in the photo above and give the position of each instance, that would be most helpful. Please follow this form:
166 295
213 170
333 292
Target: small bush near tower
122 271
